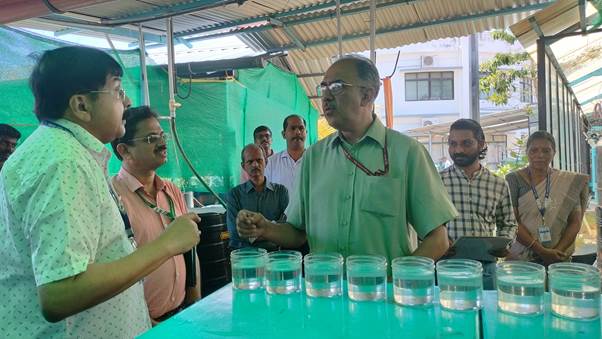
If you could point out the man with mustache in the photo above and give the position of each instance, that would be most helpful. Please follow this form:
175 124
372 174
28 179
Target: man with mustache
482 198
257 195
358 190
151 204
282 166
9 136
68 269
262 136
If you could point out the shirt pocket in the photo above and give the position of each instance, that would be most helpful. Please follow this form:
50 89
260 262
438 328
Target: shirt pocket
382 196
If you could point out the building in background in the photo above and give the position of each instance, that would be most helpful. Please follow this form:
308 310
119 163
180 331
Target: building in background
431 89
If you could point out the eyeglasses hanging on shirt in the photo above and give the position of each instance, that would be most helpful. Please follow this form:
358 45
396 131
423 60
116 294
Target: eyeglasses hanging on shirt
358 164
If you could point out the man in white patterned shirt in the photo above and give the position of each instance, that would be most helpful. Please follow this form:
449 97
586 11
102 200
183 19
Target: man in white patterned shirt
69 270
282 167
481 198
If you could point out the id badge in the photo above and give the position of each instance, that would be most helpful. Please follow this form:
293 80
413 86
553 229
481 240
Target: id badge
545 235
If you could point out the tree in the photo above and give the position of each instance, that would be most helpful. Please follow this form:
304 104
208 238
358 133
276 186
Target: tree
501 72
518 156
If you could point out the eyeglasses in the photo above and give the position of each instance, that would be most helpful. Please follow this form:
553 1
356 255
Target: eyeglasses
151 139
8 144
336 87
120 93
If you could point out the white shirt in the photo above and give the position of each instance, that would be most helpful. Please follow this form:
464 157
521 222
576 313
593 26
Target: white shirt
281 169
57 216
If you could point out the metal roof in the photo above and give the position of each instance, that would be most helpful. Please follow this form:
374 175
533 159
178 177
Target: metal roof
492 124
578 55
305 28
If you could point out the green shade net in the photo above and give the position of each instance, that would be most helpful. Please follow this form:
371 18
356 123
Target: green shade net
214 122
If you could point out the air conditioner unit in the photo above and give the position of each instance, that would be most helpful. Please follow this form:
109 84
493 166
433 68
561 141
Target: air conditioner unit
427 61
429 121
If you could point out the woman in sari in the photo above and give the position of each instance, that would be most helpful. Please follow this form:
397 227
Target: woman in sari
548 204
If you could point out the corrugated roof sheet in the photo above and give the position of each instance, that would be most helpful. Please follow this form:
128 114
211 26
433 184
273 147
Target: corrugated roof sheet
580 57
313 24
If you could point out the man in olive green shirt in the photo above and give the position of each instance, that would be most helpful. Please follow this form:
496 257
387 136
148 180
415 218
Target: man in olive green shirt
359 189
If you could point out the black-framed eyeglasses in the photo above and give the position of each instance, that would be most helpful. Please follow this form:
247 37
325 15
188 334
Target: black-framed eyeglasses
151 138
336 87
120 93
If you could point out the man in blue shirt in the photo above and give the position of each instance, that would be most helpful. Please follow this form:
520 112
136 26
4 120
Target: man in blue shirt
257 195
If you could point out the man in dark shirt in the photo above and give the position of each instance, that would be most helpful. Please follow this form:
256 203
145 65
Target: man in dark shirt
257 195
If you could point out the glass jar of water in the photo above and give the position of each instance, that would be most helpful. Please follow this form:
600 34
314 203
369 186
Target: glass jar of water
283 272
367 277
323 274
520 287
575 290
460 284
248 268
413 280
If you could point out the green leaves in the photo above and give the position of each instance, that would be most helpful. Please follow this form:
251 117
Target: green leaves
501 72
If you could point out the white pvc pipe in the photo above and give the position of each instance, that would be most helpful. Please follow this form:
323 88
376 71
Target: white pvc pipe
143 74
170 69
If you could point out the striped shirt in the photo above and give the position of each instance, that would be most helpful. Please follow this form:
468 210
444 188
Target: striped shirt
483 202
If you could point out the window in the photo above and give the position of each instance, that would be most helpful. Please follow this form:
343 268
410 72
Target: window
526 90
429 86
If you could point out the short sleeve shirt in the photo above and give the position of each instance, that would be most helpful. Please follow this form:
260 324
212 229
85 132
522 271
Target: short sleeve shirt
57 216
165 287
342 209
271 203
281 169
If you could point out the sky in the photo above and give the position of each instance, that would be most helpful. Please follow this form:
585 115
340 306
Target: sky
228 47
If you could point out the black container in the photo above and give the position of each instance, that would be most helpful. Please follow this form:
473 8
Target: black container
213 252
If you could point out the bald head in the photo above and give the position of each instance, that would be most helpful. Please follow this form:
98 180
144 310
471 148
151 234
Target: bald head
365 70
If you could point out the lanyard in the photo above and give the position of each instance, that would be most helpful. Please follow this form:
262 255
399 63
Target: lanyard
114 195
541 208
171 214
53 124
361 166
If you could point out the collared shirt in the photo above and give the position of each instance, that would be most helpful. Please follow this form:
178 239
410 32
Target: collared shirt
344 210
281 169
164 288
483 202
57 217
271 202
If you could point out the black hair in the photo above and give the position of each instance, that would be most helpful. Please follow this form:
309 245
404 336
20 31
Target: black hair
260 129
9 131
285 122
477 131
132 116
63 72
541 135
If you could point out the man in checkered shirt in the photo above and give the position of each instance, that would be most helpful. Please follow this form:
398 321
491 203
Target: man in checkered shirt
481 198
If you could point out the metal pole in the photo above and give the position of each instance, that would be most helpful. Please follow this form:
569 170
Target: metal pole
373 30
339 35
541 86
143 74
430 143
473 61
173 105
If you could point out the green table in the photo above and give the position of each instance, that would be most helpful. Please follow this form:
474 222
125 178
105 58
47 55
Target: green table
229 313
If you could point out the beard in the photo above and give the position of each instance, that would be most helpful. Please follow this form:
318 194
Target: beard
463 160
